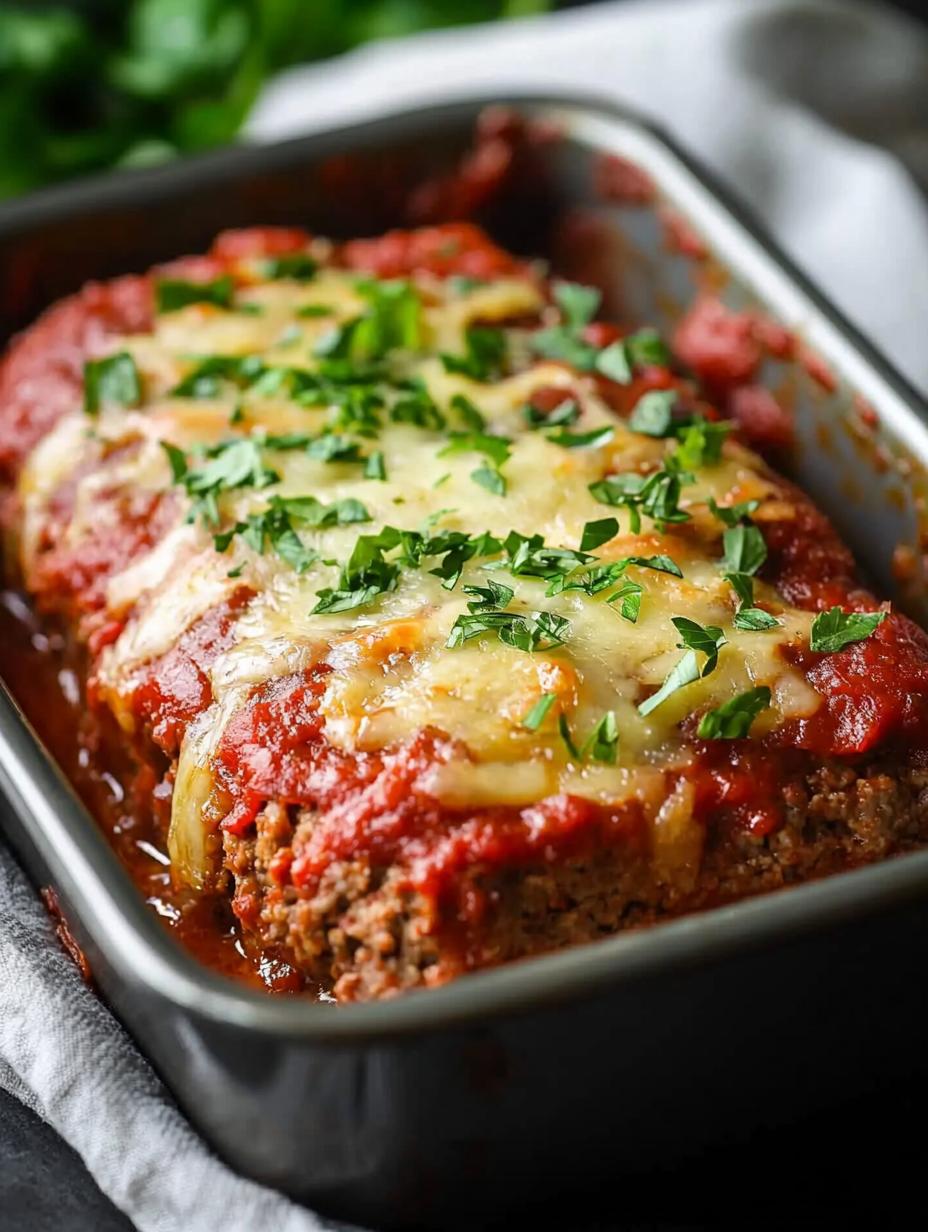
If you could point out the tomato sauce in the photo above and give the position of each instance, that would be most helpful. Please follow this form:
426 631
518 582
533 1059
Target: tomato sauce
130 804
379 804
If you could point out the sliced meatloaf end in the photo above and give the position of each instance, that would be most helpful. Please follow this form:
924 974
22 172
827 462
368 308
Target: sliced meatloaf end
368 933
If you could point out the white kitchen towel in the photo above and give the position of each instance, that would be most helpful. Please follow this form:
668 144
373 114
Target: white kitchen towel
718 73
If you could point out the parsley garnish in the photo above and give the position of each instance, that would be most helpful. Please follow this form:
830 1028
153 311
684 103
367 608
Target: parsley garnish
628 596
595 534
732 720
113 379
365 576
230 464
601 744
468 414
700 440
276 526
754 619
701 443
493 595
418 408
393 322
835 629
174 293
490 479
657 495
731 515
647 347
375 467
484 356
744 550
579 304
298 266
537 631
534 718
566 412
582 440
496 448
696 640
314 310
653 413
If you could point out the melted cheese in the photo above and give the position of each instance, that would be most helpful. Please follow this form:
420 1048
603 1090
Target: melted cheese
392 673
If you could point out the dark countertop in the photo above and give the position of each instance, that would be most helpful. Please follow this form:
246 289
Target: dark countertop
44 1186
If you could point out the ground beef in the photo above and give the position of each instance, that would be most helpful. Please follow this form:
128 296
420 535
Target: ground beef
370 935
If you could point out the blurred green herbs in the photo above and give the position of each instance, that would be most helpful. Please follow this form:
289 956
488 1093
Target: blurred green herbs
102 83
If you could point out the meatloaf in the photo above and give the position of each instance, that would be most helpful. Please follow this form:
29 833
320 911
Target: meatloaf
454 623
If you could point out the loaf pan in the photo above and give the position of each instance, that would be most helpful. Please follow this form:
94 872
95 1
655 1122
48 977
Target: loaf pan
589 1070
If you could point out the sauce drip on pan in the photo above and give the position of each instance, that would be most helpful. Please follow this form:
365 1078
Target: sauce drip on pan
34 665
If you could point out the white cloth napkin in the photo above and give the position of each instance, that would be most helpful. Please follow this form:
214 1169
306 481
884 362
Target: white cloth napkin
713 70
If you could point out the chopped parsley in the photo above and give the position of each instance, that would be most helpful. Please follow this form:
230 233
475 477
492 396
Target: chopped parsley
656 495
489 478
646 347
754 619
534 718
731 515
537 631
595 534
835 629
375 467
471 419
744 550
314 310
732 720
393 321
566 342
229 465
700 440
613 362
601 744
114 379
277 524
578 304
495 448
696 640
603 741
297 266
484 356
565 413
172 294
486 598
653 413
417 408
366 575
628 599
582 440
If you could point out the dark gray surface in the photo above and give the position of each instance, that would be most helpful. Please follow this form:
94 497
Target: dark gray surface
44 1186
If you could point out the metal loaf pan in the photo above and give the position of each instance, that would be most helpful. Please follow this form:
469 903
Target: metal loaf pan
570 1074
